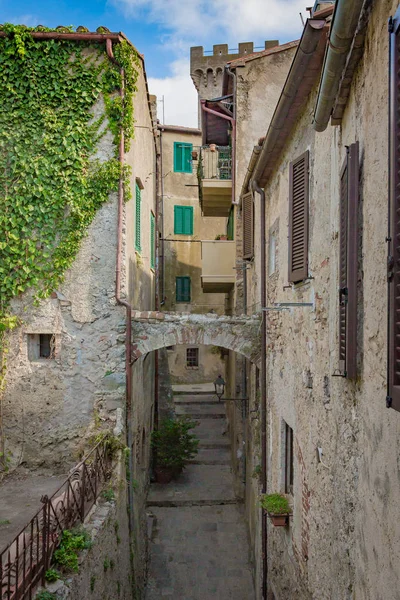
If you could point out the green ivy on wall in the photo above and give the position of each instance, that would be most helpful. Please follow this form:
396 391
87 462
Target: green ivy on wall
51 184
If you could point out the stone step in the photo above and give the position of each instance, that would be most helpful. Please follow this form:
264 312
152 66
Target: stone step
203 399
214 456
179 503
198 483
205 411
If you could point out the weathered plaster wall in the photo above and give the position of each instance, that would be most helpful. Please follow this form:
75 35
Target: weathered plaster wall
183 255
211 364
49 404
343 539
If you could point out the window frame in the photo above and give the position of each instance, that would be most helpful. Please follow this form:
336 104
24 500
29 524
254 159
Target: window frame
180 168
194 358
179 299
288 459
138 218
152 241
184 209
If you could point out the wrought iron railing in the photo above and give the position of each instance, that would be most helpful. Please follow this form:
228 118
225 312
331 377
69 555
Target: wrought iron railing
24 562
216 162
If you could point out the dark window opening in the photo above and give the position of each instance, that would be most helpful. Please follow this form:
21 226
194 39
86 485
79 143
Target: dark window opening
41 345
192 357
289 467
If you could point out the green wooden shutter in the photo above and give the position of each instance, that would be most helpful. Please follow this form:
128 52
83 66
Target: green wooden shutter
188 220
187 158
183 289
138 241
182 157
152 241
230 225
178 157
178 219
183 220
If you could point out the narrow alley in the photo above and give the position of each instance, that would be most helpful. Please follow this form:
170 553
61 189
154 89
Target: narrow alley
198 547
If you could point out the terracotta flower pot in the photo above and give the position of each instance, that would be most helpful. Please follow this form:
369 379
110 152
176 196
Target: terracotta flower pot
279 520
163 474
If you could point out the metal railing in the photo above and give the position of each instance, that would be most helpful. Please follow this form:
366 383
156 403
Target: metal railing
215 162
24 562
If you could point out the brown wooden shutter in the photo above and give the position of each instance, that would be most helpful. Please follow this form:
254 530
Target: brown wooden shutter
298 218
348 261
393 391
248 226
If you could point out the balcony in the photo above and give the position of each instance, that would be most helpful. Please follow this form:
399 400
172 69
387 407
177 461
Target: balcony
215 180
218 266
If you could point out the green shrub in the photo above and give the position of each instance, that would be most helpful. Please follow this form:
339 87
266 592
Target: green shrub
108 495
275 504
71 543
52 575
174 444
45 595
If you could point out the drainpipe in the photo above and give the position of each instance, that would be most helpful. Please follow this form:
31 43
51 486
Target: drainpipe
128 328
162 224
233 123
260 191
343 28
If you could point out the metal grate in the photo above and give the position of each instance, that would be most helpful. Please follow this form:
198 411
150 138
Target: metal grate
192 357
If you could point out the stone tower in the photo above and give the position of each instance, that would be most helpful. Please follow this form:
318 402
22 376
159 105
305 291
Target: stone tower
206 69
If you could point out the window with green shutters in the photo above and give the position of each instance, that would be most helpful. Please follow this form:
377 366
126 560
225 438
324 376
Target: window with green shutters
183 220
230 225
138 241
152 241
182 157
183 289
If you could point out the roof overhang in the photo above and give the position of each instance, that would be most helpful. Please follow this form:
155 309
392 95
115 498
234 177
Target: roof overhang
302 77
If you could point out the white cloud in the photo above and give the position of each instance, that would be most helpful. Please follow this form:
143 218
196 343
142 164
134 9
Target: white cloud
204 23
232 20
28 20
180 96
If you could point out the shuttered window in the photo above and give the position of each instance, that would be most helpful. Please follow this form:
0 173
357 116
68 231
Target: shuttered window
248 226
183 289
183 220
393 388
182 157
152 241
348 240
138 210
298 218
230 226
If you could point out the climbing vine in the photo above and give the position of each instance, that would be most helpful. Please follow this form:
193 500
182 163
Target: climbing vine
51 182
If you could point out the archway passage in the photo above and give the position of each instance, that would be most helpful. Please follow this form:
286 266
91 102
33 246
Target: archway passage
155 330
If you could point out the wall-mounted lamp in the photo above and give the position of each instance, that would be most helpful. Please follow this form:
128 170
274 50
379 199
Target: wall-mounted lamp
219 385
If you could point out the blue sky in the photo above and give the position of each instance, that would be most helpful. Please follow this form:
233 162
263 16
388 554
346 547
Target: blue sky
164 30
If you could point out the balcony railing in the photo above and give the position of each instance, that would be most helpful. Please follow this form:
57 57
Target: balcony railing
214 171
23 563
215 162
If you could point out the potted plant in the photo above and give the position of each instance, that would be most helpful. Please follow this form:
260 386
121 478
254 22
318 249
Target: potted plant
174 446
277 507
221 236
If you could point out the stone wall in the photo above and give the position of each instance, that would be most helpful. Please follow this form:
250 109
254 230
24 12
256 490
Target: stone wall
343 538
105 570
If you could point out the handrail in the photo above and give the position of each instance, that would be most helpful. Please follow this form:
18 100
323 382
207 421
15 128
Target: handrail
25 560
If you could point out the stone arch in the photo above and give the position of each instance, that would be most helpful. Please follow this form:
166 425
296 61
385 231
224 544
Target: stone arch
210 78
154 330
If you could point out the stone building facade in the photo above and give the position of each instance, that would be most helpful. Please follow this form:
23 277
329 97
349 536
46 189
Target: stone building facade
332 443
184 229
68 374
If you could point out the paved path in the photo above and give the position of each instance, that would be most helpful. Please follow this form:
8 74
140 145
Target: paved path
199 547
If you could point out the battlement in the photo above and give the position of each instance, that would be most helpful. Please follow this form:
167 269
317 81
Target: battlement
198 52
206 67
